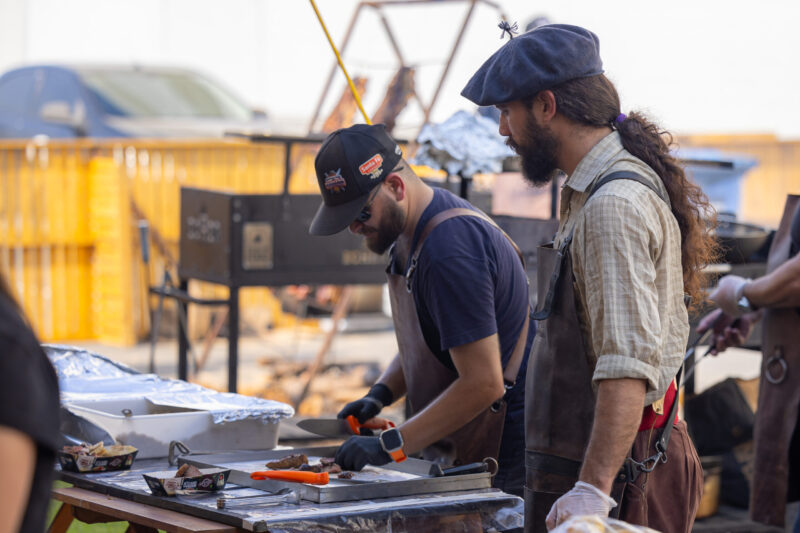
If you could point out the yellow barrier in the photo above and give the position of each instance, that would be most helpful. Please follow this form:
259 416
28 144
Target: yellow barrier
69 211
68 217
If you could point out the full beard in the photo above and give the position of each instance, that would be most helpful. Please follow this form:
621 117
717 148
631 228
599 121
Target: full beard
537 152
388 230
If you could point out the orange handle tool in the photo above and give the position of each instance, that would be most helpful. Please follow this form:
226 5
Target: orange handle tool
372 423
314 478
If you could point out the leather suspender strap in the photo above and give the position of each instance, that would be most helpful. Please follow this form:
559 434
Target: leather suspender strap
460 212
515 361
627 175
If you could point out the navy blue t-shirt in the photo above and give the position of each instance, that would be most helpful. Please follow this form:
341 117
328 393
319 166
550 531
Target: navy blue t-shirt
469 284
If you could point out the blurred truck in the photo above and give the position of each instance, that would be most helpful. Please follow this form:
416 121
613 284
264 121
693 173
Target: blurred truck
120 101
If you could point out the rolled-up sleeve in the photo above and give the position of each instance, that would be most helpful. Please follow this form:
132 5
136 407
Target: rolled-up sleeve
613 253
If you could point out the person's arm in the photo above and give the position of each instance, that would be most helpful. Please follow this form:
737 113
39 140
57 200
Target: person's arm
394 378
617 414
778 289
479 384
17 461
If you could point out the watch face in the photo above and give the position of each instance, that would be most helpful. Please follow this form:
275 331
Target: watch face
391 439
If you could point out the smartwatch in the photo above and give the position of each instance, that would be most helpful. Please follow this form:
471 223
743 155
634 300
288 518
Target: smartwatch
744 305
392 443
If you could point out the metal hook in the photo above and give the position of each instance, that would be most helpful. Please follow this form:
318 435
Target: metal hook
410 273
172 457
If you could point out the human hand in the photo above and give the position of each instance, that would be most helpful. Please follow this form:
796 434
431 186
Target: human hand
583 499
728 293
370 405
358 451
728 330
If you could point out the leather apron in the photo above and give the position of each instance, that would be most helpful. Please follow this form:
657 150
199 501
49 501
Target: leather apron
559 399
779 395
426 377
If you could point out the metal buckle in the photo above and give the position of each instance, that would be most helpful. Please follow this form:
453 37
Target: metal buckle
649 464
496 406
410 272
662 452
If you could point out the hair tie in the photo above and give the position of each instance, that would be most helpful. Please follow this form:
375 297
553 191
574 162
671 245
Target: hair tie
620 118
511 29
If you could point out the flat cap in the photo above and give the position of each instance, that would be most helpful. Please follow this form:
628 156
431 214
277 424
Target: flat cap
534 61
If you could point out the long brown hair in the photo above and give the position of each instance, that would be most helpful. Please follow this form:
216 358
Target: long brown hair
593 101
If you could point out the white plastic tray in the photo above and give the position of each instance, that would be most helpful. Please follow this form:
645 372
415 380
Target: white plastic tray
150 427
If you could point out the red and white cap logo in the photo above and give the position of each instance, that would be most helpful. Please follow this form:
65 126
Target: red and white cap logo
372 166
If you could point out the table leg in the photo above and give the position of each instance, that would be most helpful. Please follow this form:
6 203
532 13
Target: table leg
183 335
62 520
233 338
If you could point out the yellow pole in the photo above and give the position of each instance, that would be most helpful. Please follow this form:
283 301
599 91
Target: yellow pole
339 59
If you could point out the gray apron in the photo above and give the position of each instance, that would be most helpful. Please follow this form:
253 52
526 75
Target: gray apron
779 395
426 377
559 411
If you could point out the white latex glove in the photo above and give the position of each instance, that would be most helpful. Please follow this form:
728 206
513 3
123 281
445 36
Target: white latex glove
583 499
727 294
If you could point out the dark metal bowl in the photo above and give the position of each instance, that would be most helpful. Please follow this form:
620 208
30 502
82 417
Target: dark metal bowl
739 240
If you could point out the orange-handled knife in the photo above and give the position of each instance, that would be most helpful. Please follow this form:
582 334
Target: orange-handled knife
342 428
372 423
314 478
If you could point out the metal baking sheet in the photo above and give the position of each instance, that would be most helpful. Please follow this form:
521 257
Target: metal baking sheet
411 477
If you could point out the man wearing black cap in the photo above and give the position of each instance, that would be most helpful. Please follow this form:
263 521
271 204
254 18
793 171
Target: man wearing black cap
600 400
459 303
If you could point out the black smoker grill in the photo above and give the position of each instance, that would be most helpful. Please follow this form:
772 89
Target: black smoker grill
241 240
246 240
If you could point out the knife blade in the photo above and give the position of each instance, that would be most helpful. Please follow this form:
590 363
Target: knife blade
342 427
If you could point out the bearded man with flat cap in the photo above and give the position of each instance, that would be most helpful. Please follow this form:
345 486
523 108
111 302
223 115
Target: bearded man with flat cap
460 306
601 412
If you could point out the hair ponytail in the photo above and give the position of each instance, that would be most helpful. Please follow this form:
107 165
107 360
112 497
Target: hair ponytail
594 101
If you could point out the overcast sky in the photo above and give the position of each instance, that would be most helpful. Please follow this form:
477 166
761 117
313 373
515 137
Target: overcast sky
696 66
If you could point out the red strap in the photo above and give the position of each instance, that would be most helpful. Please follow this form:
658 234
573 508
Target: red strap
652 420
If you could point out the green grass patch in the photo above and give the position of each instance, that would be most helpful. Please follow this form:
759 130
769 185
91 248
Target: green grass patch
78 526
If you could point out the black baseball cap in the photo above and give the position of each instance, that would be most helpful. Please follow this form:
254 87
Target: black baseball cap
351 162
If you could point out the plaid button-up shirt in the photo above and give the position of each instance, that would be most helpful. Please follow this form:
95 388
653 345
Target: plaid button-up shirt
626 253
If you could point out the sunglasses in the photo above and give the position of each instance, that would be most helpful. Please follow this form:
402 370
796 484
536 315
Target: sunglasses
366 212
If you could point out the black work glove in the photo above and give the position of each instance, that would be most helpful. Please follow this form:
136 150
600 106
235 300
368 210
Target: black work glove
370 405
358 451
